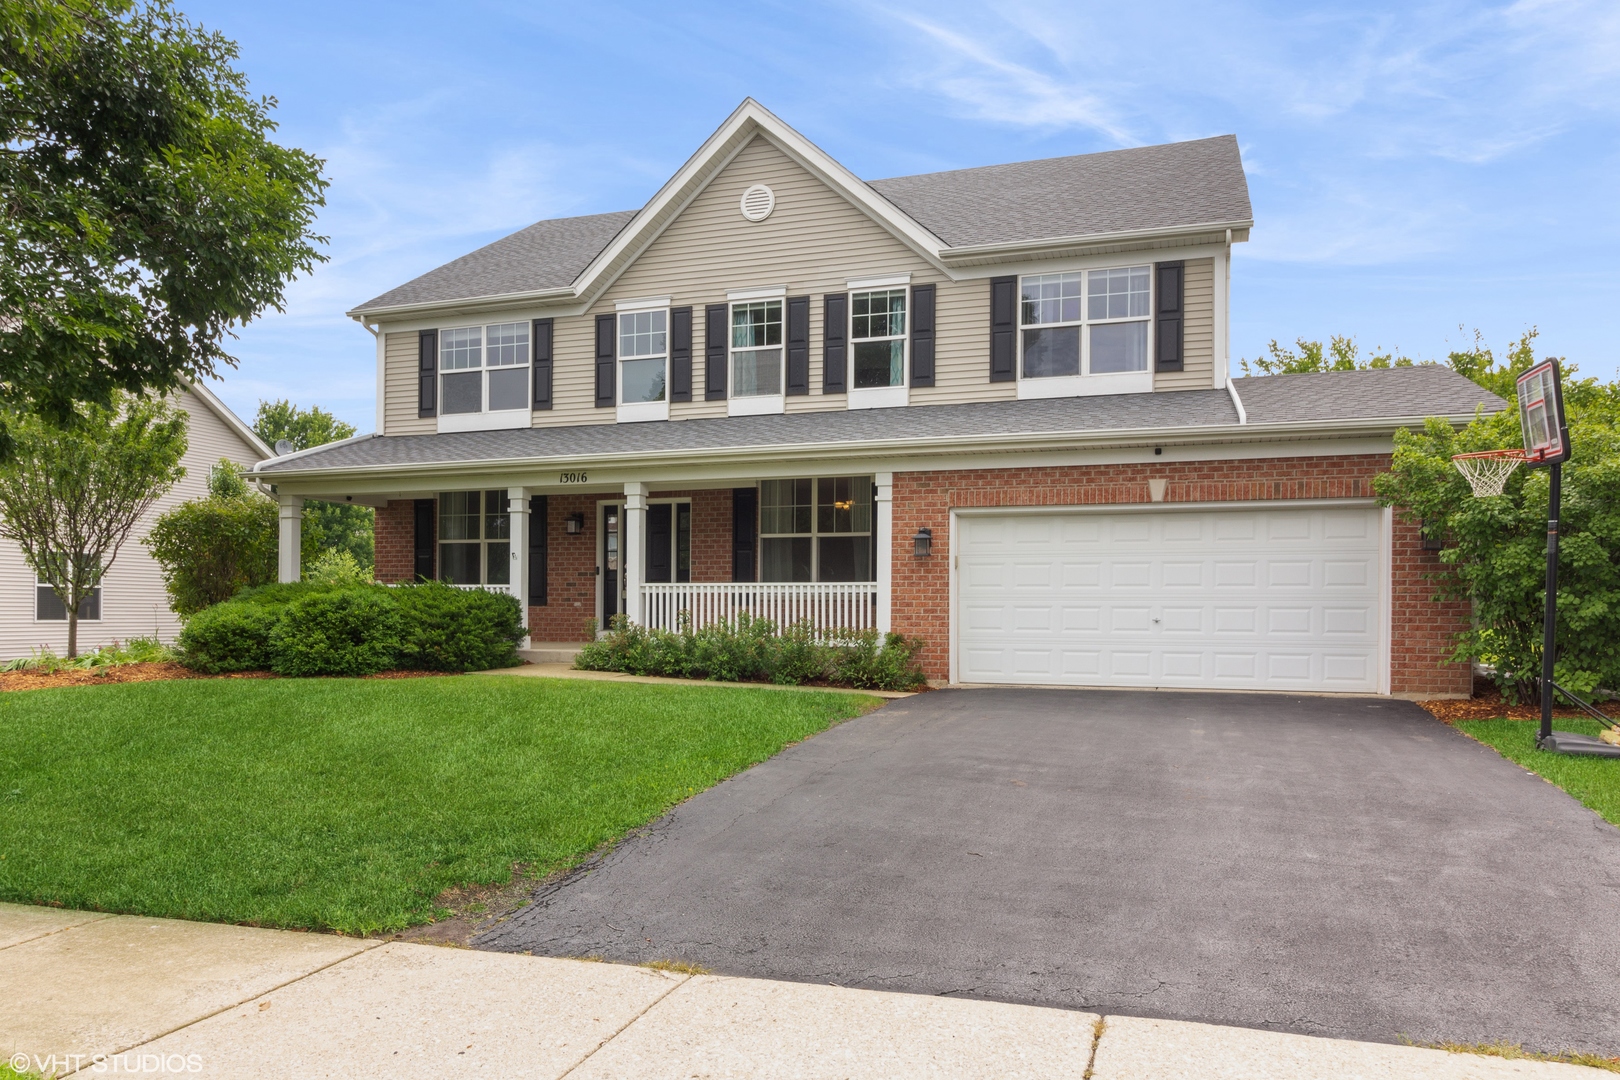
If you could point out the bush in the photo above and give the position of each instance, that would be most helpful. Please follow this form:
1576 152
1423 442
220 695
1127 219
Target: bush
229 637
337 567
446 629
341 632
861 663
137 650
210 548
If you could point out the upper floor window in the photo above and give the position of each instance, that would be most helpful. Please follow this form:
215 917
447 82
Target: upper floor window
816 530
878 333
643 356
756 348
475 538
1103 330
484 368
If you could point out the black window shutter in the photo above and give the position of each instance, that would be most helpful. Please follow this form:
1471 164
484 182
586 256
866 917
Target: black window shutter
606 393
425 541
660 541
539 548
744 532
542 363
680 354
427 373
798 345
922 335
1168 316
714 352
1003 329
834 342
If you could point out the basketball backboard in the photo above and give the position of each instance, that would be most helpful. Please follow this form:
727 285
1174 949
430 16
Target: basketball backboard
1541 415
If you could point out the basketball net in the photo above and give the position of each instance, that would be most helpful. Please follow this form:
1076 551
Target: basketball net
1487 471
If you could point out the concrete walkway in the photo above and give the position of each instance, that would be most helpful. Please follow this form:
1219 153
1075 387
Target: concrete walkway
98 994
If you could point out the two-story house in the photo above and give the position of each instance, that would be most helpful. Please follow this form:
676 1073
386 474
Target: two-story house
988 407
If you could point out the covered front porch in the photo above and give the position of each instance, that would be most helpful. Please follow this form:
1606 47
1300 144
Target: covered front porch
663 553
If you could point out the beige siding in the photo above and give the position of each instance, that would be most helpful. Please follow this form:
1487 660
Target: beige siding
962 347
1198 335
399 387
133 601
573 375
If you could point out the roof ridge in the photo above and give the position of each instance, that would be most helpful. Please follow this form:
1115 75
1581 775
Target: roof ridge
1058 157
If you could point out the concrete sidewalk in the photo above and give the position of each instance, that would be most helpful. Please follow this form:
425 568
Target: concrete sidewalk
98 994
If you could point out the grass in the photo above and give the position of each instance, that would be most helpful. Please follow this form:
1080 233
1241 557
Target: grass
352 804
1516 1052
1594 781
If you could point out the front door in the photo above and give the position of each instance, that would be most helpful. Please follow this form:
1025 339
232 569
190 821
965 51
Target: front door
610 562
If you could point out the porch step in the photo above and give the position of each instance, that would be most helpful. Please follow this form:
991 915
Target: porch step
551 652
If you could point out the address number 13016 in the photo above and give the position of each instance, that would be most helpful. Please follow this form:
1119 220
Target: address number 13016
571 478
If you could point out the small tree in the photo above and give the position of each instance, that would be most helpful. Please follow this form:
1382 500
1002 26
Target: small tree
1340 354
332 527
211 547
69 497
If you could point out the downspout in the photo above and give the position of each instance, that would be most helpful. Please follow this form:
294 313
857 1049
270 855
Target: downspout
1237 402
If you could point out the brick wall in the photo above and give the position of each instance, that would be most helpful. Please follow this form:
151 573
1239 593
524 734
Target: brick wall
921 587
396 540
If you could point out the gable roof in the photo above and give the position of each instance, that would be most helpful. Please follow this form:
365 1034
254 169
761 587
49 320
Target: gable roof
230 419
948 217
1277 406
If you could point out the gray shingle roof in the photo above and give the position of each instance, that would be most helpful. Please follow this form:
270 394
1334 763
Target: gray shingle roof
1148 187
546 255
1393 394
1187 183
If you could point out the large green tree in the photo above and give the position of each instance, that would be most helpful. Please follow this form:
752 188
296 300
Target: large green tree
69 497
330 527
144 209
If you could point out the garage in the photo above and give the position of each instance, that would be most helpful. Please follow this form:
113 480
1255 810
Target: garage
1251 598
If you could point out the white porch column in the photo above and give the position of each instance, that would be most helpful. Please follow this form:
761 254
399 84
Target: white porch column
289 549
634 545
884 529
517 509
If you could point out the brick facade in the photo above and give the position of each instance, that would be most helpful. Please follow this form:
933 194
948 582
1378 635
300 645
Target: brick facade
396 541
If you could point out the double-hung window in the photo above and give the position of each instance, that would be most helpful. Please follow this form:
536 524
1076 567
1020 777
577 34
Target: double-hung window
1077 326
48 607
475 538
484 370
877 331
644 364
816 529
756 356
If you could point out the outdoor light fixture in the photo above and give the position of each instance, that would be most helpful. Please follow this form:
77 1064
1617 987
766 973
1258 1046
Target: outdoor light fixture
575 524
922 545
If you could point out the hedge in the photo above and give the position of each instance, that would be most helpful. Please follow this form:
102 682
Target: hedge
311 629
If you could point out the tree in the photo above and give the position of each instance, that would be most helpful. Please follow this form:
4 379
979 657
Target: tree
210 548
70 496
144 209
332 526
1341 354
1479 363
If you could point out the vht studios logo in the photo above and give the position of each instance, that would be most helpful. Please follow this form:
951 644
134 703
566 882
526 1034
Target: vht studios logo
110 1064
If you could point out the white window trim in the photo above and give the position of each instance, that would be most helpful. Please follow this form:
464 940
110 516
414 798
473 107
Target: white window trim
1085 384
868 284
483 541
755 404
638 412
878 397
815 534
486 419
101 607
641 304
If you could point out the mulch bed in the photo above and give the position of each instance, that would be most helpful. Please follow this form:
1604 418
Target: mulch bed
1489 705
153 672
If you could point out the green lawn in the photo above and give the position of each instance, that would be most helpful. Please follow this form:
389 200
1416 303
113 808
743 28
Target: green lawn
1594 781
350 805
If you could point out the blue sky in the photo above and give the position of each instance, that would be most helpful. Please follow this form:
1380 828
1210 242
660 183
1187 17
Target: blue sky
1415 167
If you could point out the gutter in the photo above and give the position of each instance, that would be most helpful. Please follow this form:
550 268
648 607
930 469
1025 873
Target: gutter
931 445
1024 247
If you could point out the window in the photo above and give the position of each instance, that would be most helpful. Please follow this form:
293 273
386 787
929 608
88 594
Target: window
669 540
484 368
643 354
816 530
756 348
475 538
1113 318
48 607
878 330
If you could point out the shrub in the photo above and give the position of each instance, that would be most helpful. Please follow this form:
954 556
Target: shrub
446 629
337 567
340 632
801 656
210 548
229 637
861 663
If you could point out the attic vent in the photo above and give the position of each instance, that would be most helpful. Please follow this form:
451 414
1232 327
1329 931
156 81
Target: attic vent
758 202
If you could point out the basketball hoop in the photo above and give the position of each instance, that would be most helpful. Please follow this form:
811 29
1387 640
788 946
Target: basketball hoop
1487 471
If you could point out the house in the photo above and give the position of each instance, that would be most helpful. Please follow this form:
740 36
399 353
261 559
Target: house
987 407
131 601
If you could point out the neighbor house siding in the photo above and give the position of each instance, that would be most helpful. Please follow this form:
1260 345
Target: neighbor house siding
134 603
1198 333
400 365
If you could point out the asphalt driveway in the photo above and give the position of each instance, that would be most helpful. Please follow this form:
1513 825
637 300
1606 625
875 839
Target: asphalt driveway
1329 866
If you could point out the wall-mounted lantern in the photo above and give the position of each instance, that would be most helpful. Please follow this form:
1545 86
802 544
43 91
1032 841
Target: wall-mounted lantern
574 523
922 545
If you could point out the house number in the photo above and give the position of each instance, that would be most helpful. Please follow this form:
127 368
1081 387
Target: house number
571 478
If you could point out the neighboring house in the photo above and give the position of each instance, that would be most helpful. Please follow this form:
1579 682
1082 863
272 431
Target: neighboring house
131 601
988 407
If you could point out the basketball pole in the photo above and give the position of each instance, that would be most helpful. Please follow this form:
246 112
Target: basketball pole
1555 483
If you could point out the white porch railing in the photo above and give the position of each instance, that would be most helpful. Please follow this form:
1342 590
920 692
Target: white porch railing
829 605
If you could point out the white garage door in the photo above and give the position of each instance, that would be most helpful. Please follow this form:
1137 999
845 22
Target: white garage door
1255 599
